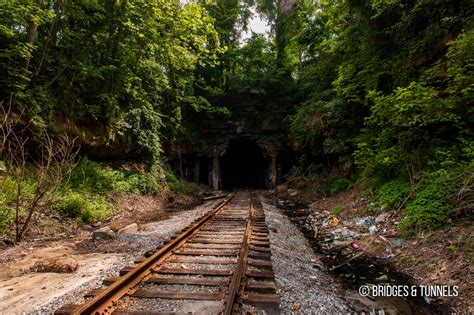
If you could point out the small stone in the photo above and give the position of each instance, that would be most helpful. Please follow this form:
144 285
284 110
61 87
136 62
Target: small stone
104 233
292 192
95 225
380 218
131 228
354 234
8 242
382 278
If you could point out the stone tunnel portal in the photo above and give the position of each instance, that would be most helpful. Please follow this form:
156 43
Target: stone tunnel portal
243 165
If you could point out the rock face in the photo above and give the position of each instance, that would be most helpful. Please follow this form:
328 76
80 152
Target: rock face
131 228
104 233
62 264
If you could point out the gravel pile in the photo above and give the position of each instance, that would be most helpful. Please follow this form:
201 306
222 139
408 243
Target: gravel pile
302 287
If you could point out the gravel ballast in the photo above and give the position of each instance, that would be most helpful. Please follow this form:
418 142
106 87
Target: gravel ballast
301 286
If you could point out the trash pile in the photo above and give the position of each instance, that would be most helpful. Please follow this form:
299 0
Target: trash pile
346 237
358 250
352 235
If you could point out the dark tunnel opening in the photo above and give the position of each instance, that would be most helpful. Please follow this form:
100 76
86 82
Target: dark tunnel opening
204 170
243 166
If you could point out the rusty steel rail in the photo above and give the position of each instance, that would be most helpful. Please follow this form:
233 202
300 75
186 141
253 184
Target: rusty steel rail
234 234
107 301
235 285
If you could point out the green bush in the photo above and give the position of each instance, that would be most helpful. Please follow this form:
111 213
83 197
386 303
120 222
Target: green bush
86 208
392 194
71 205
97 178
8 197
143 183
429 210
96 209
92 176
6 214
8 190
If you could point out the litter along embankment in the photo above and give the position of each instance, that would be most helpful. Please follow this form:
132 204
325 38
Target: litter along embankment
369 250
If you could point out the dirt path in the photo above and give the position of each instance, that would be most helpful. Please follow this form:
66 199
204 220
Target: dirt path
25 292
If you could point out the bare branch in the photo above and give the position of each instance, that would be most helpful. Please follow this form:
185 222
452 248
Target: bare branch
55 157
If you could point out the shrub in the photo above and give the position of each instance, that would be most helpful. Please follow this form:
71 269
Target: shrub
92 176
96 209
71 205
8 197
143 183
392 194
429 210
97 178
86 208
6 214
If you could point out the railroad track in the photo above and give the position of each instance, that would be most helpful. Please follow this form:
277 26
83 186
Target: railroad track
220 264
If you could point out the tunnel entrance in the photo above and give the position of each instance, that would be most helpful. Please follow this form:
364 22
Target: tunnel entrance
243 165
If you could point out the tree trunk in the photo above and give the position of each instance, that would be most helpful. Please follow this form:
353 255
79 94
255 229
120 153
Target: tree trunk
31 35
53 30
34 204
